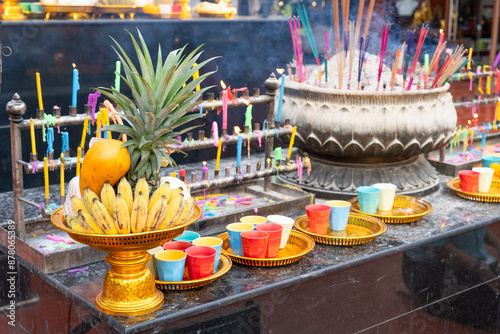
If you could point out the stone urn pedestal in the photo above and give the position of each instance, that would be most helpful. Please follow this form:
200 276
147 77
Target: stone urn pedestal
357 138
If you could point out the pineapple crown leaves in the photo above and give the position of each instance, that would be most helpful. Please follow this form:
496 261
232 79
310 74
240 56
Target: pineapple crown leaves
161 99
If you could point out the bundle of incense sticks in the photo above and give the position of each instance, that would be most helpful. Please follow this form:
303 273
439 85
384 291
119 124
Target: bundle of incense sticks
421 39
352 47
395 67
451 65
409 39
434 62
363 46
297 46
301 10
385 38
401 57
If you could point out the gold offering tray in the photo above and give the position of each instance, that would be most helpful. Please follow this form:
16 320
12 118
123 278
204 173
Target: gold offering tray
116 9
493 196
224 266
406 209
298 245
66 9
360 230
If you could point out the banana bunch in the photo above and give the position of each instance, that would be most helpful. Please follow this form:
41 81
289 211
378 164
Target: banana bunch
126 211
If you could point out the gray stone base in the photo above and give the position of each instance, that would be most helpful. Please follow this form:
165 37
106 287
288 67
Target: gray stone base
336 180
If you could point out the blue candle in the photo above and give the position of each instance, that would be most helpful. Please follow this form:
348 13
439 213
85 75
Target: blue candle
65 141
483 141
280 102
238 151
50 140
76 86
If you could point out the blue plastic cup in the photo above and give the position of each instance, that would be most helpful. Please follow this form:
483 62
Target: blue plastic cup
234 230
213 242
188 236
488 160
339 214
170 265
368 199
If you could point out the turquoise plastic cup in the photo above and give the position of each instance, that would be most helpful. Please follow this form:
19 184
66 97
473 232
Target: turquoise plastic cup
188 236
368 198
339 214
487 160
213 242
234 230
170 265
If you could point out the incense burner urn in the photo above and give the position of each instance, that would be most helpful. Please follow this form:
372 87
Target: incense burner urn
357 138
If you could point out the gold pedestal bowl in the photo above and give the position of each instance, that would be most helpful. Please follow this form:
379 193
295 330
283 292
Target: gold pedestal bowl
129 286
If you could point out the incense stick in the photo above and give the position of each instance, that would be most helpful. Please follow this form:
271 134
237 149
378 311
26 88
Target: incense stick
327 44
345 15
385 38
307 27
394 68
421 39
335 9
358 22
352 47
368 18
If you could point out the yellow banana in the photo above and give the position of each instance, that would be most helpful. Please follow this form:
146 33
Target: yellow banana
78 204
103 218
157 214
162 190
74 224
142 186
88 198
188 204
86 219
172 211
139 214
126 191
174 193
121 214
108 197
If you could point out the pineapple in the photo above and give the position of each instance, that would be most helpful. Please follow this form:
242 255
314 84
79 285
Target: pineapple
162 97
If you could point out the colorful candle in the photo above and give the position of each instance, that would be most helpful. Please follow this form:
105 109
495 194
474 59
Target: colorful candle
118 69
46 176
497 59
426 62
292 139
62 174
39 91
277 154
78 157
196 75
469 58
84 132
65 142
76 86
224 106
238 151
280 101
219 149
50 140
215 133
98 124
32 133
248 117
488 85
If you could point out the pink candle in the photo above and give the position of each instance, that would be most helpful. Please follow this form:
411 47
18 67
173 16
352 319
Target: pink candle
224 106
215 131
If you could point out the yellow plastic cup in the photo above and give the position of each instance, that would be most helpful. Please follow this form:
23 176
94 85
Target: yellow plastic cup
253 220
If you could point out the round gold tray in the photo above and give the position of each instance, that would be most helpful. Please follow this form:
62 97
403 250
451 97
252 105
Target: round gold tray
298 245
406 209
224 266
493 196
66 9
360 230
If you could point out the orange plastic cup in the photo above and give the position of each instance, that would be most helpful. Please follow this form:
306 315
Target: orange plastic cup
274 241
318 218
469 180
254 243
200 261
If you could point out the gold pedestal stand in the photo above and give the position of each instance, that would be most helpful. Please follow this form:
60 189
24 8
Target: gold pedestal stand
12 11
129 286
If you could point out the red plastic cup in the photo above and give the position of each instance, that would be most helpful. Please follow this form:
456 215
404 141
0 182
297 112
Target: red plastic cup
254 243
274 241
318 218
177 245
469 180
200 261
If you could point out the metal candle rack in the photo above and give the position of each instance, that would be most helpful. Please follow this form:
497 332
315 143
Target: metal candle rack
16 108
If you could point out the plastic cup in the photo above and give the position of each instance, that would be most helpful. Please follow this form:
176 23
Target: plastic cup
213 242
253 220
200 261
318 218
188 236
254 244
339 214
469 180
170 264
286 223
152 263
274 241
386 197
368 198
487 160
177 245
234 230
485 178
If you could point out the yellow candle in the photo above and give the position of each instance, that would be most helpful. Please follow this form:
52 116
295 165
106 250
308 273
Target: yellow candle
78 156
196 75
488 85
84 133
39 91
98 134
46 176
498 110
32 132
62 174
105 119
292 139
470 57
219 149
